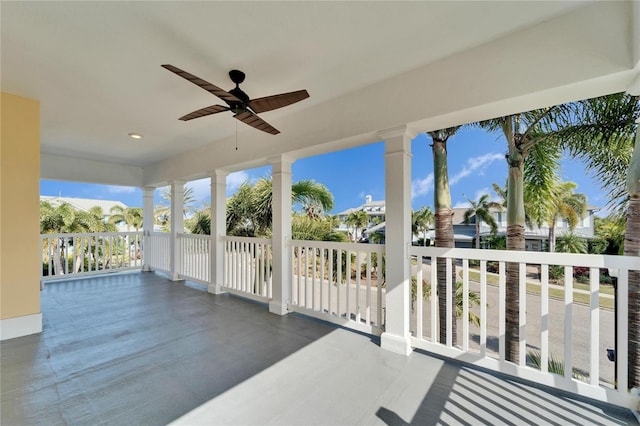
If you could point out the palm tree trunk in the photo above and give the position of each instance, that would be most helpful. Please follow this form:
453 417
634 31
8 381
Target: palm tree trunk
515 241
477 232
632 248
444 238
552 236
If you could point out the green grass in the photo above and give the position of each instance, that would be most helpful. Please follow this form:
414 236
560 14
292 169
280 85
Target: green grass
554 293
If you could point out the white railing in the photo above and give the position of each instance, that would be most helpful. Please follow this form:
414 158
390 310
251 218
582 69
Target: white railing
559 324
248 267
157 251
65 255
195 262
339 282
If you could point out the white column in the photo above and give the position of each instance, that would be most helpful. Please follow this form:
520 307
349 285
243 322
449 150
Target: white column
147 223
396 337
281 179
218 229
177 226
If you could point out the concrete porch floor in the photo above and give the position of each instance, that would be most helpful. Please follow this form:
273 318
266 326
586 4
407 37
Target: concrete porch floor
139 349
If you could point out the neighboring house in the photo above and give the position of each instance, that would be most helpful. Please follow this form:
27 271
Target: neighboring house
375 210
535 237
85 204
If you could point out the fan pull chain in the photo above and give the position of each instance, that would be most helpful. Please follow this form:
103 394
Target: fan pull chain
236 135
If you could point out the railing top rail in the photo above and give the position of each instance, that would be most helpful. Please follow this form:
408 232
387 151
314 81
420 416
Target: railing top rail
361 247
531 257
89 234
246 239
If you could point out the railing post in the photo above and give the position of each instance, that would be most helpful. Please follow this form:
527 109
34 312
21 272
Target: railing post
177 226
218 229
147 225
397 337
281 175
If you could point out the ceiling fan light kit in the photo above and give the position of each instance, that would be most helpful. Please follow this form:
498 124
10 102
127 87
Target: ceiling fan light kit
238 102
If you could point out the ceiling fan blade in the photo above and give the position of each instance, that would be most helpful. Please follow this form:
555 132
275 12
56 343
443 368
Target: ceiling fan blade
253 120
215 90
213 109
269 103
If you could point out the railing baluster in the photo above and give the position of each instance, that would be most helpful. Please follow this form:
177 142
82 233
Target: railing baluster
483 308
465 304
358 282
568 321
622 311
449 326
544 321
502 295
339 283
594 323
348 286
368 307
522 333
419 298
322 275
331 278
434 300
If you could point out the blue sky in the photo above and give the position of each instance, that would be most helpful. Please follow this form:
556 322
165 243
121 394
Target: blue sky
475 160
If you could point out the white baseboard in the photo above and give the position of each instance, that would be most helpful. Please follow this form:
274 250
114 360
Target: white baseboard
11 328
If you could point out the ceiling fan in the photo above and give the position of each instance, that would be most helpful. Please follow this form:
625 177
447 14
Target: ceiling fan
244 108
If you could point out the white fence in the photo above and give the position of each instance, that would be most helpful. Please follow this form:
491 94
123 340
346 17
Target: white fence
248 267
339 282
157 251
65 255
195 261
553 325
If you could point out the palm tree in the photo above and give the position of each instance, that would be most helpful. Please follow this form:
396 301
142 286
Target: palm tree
131 216
358 219
249 211
421 222
522 132
571 243
481 211
200 223
162 212
601 132
443 226
566 205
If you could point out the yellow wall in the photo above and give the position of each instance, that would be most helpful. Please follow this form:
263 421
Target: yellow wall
19 207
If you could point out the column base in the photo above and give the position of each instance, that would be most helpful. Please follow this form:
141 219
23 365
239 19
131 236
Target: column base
175 277
146 268
215 289
398 344
278 308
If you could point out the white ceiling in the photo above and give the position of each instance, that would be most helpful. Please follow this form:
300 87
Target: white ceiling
95 68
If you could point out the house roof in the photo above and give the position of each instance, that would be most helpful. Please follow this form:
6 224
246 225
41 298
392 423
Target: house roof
84 204
368 66
372 208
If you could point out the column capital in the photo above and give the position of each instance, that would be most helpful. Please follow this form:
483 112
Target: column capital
215 174
177 182
398 131
149 188
281 159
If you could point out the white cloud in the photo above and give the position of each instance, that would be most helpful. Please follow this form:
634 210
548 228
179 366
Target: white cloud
422 186
235 179
201 188
475 164
113 189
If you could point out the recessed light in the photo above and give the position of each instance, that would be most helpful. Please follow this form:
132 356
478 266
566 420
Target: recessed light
135 135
